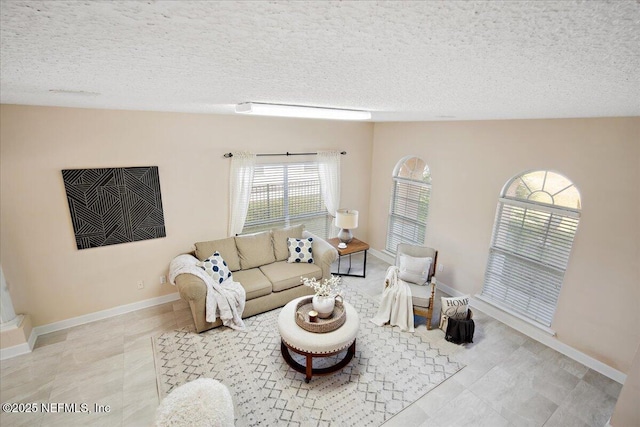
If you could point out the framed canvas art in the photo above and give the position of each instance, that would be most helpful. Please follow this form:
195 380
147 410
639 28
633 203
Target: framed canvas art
114 205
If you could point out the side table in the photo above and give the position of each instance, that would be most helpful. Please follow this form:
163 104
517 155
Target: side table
354 246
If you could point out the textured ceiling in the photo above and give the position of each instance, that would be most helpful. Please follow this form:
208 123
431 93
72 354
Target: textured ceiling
431 60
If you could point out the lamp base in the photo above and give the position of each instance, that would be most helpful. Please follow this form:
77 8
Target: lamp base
345 235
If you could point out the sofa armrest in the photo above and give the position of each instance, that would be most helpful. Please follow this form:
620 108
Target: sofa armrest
323 253
191 287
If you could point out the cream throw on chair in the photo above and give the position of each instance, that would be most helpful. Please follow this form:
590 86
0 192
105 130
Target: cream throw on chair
396 307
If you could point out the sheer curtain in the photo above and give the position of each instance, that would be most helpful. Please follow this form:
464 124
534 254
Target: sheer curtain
240 182
329 171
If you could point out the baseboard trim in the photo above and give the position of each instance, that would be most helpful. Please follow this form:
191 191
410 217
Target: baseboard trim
383 256
17 350
103 314
538 335
447 289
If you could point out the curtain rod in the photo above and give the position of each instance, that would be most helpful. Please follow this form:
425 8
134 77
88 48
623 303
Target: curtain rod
282 154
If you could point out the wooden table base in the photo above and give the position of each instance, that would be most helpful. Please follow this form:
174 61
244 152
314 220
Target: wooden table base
309 370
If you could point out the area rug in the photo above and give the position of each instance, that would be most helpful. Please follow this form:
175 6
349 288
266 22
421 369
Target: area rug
390 370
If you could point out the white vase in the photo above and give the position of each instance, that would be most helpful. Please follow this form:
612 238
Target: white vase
323 305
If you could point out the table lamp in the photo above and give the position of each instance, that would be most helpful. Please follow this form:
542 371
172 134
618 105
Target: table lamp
346 220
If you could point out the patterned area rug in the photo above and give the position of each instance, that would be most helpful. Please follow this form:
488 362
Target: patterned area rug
390 370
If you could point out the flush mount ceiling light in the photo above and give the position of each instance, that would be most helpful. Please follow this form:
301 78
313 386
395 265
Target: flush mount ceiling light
280 110
74 92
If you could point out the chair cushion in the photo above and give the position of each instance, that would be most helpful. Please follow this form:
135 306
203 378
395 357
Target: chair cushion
255 250
420 295
284 275
254 282
280 237
226 248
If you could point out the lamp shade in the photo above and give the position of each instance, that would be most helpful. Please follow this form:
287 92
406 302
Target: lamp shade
346 219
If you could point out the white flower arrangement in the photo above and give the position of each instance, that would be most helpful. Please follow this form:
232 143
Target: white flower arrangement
327 288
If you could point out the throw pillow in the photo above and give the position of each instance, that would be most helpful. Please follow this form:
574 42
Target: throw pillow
215 267
414 270
455 307
300 250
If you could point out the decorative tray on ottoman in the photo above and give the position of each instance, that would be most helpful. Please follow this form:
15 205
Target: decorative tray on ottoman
333 322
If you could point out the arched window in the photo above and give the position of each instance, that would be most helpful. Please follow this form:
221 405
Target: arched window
409 203
536 221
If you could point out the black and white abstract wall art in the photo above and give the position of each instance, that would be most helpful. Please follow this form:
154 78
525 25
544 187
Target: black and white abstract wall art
114 205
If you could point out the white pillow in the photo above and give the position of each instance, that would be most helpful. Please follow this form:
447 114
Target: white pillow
415 270
216 267
300 250
455 307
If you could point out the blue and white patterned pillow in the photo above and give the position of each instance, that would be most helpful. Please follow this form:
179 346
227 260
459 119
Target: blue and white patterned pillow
300 250
215 267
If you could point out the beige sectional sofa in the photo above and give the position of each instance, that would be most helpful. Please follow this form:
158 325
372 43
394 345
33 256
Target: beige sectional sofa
259 262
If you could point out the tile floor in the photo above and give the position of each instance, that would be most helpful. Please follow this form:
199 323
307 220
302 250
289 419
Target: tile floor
509 380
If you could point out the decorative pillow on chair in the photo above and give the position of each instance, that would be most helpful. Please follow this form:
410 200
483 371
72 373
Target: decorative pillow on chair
300 250
215 267
414 270
455 307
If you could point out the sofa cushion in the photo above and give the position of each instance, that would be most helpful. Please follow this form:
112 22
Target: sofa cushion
280 237
226 248
284 275
300 250
254 282
255 250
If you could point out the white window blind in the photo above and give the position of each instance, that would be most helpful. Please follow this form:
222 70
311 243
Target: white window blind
408 213
409 206
287 194
529 253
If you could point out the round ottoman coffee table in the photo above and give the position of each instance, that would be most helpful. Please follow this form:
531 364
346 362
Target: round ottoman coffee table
311 344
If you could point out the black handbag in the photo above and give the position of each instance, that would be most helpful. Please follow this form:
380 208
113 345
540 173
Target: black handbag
460 331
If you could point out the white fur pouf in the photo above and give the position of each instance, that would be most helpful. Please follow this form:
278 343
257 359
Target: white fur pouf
204 402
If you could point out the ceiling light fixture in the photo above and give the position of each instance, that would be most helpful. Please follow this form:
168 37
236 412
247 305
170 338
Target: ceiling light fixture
74 92
280 110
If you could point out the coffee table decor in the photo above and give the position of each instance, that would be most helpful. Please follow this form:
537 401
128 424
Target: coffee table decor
325 294
333 322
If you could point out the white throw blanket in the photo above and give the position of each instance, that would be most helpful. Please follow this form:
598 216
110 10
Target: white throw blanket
225 299
396 307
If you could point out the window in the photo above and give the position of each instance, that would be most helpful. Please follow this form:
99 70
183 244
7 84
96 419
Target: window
287 194
409 203
536 221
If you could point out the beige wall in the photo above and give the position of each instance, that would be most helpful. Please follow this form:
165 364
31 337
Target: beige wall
471 161
50 279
